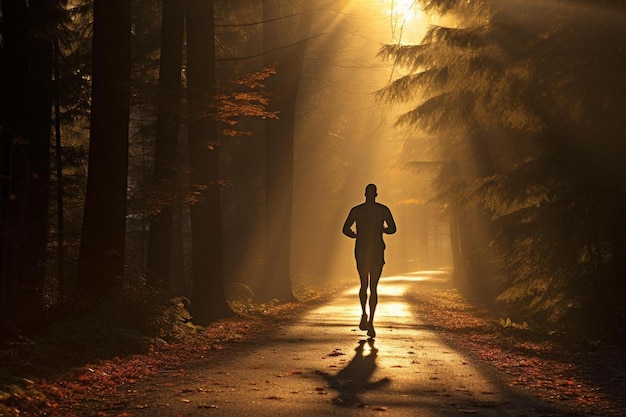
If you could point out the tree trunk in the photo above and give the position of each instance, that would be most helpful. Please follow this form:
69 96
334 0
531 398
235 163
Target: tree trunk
456 248
616 284
25 118
101 258
166 144
58 151
208 300
279 143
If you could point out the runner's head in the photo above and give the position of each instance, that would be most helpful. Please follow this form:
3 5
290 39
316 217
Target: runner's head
371 192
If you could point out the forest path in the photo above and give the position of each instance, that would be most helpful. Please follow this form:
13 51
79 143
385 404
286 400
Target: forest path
322 365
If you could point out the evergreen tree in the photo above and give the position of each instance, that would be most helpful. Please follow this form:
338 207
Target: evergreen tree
208 297
101 259
516 96
28 29
166 143
284 43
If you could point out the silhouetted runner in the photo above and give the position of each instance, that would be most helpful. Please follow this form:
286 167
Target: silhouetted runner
372 220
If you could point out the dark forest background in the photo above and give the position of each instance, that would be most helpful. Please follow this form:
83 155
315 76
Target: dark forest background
149 148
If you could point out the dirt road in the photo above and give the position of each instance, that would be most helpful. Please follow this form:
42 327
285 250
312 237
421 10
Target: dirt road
322 365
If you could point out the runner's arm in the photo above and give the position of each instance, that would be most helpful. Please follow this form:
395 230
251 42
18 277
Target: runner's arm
391 224
347 226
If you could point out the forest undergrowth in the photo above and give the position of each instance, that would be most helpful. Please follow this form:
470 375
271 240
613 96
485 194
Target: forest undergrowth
567 369
43 377
90 356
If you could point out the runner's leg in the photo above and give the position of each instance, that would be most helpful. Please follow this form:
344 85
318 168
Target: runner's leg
363 275
374 278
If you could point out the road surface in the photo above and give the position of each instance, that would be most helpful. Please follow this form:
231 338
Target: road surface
323 365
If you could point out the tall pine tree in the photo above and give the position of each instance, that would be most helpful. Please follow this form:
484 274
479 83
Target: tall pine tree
101 259
28 28
208 297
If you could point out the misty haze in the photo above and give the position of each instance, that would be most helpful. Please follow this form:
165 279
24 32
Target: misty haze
312 207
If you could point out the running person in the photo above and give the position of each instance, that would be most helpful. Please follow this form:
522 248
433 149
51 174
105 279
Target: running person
372 220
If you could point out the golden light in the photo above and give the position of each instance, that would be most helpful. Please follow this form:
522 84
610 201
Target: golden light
389 290
392 304
367 349
406 11
403 13
407 19
393 310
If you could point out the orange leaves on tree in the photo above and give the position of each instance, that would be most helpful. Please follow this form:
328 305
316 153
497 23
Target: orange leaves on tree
244 97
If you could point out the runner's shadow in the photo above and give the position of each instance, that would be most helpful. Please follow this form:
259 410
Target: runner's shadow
354 379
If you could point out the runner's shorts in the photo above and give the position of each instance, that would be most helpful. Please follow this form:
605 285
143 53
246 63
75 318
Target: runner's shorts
370 256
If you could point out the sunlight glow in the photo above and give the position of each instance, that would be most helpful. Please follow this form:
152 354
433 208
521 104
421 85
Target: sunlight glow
391 290
406 16
367 349
406 11
329 311
359 144
392 310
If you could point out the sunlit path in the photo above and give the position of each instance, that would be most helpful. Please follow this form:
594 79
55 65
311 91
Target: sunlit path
419 370
392 304
322 365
